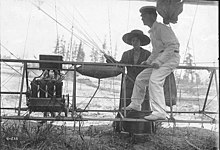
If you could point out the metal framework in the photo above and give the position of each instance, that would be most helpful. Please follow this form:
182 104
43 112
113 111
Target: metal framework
74 110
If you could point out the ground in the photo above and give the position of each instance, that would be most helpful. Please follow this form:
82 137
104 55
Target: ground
27 135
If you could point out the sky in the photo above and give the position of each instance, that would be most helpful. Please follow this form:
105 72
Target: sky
27 31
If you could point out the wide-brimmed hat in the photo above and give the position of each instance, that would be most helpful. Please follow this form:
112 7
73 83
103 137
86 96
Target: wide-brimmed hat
145 40
148 9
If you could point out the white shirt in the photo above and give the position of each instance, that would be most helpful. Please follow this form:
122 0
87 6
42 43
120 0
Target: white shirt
165 44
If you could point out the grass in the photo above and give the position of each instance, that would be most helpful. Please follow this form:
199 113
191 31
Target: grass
24 135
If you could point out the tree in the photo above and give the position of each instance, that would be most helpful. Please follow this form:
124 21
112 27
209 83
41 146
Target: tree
94 55
198 79
189 73
60 47
56 50
81 53
102 58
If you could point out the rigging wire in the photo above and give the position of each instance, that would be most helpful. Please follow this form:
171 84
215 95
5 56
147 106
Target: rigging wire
56 19
9 51
194 16
197 85
191 29
110 38
12 55
6 88
129 8
83 31
8 79
88 24
25 44
110 43
86 42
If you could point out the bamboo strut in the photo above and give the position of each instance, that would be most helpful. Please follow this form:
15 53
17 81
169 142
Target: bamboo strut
105 64
73 110
176 112
104 119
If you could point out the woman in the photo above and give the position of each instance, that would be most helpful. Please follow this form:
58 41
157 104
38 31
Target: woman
134 56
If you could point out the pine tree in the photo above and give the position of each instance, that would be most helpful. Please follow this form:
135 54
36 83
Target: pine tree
94 55
56 50
81 53
189 73
102 58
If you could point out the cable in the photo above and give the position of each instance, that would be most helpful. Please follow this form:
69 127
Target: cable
87 43
128 14
85 34
56 19
93 95
91 41
26 35
109 25
8 79
8 51
194 16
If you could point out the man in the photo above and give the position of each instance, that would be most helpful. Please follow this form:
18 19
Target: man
163 59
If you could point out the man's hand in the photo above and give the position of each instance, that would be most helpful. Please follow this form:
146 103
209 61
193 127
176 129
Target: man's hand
155 65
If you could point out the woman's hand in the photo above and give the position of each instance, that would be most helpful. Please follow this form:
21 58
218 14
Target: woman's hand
109 59
144 63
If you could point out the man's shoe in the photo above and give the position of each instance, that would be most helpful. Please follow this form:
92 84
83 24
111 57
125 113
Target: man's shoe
133 107
155 117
